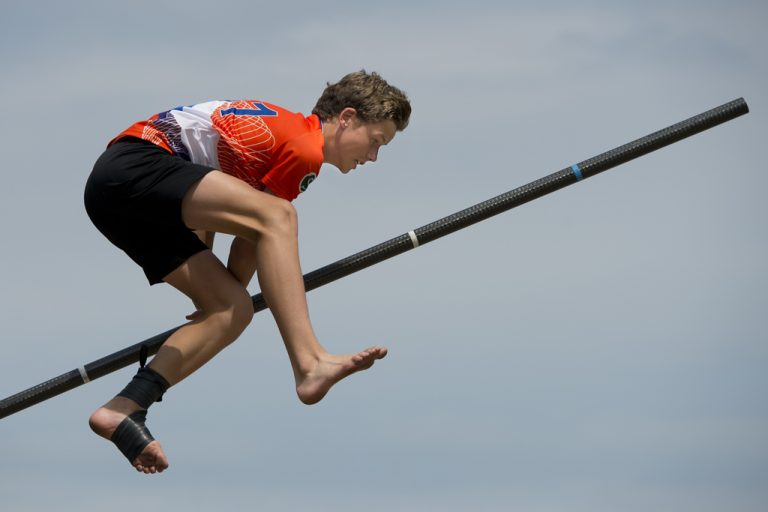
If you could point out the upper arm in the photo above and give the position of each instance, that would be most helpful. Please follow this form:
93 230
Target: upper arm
295 164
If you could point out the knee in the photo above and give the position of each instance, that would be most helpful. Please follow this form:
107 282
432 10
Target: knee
242 311
282 219
235 315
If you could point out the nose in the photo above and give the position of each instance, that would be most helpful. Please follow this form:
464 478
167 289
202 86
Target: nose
372 155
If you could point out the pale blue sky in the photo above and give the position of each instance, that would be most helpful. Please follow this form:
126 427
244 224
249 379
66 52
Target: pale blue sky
600 349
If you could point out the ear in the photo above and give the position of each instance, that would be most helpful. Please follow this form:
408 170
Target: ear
347 116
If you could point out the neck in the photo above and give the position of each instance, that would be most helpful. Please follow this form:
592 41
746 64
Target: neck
329 129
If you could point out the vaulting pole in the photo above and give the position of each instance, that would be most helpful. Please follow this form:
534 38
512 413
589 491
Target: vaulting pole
402 243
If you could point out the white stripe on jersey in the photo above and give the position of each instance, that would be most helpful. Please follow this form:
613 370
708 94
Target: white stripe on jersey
197 132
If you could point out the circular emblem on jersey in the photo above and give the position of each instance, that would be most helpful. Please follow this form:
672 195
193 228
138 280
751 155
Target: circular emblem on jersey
306 181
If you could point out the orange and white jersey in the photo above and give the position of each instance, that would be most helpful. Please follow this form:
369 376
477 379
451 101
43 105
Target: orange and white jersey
264 145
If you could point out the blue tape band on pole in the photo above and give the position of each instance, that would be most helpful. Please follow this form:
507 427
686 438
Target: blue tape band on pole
577 172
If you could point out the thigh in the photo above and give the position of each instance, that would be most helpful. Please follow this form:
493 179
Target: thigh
225 204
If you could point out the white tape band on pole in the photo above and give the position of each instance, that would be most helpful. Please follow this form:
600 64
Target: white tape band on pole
84 375
414 239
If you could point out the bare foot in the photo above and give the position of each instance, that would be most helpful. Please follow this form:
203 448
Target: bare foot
329 369
106 419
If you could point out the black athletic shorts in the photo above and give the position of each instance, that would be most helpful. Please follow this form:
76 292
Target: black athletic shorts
134 196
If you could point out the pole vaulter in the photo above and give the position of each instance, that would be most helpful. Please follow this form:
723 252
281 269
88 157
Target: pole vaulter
401 244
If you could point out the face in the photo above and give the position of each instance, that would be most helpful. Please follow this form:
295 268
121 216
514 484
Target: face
356 142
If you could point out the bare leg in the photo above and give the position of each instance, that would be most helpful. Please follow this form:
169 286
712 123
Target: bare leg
226 310
224 204
220 203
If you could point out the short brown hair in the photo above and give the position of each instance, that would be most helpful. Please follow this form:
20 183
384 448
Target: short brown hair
370 95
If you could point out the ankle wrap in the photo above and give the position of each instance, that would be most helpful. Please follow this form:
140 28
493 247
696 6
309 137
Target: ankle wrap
146 387
132 436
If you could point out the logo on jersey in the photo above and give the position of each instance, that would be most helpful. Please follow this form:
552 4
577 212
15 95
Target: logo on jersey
306 181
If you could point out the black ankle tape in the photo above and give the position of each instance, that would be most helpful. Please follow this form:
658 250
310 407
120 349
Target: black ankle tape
146 387
132 435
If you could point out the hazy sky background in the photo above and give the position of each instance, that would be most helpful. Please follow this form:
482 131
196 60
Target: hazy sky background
601 349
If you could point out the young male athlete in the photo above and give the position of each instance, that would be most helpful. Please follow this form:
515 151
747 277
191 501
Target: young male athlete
165 185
